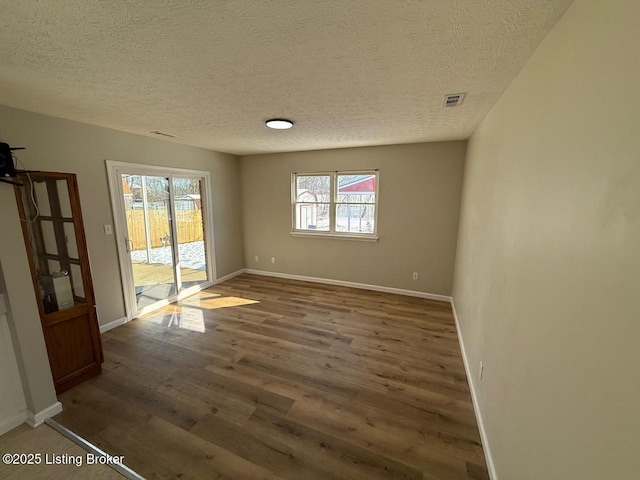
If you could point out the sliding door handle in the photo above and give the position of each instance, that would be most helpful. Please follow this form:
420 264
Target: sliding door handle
128 243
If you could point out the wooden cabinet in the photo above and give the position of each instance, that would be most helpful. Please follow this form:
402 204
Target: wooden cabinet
53 230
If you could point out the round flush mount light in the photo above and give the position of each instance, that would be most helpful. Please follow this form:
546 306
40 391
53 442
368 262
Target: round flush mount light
279 123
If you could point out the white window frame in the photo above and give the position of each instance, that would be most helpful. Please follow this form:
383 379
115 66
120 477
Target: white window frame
115 170
333 203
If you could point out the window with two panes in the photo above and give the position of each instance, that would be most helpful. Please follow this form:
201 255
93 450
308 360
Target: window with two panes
341 203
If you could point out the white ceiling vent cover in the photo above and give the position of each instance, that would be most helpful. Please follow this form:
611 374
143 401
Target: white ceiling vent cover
453 99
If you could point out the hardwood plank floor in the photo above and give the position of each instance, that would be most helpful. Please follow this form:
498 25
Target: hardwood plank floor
262 378
48 443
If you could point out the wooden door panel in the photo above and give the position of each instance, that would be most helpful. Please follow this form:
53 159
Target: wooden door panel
67 308
69 341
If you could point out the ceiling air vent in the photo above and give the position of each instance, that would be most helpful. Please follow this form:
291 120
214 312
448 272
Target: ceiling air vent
453 100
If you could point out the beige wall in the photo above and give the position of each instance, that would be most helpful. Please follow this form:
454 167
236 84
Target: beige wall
12 402
55 144
419 205
547 277
22 311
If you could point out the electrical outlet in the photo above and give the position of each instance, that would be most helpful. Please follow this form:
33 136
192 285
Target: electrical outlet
257 258
273 260
481 370
415 275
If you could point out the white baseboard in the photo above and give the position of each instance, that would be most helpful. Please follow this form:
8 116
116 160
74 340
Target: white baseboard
230 276
13 422
35 419
476 407
362 286
111 325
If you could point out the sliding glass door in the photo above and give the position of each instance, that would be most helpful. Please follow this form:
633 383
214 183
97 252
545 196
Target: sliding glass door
148 214
162 222
190 230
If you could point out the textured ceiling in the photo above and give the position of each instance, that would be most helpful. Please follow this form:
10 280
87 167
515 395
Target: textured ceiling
348 72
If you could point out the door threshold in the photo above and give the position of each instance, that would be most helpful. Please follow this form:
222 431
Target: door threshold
91 448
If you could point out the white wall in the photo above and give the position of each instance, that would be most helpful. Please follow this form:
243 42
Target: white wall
547 276
22 310
13 408
419 206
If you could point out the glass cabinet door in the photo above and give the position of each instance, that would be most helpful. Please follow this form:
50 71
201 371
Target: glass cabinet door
49 208
54 241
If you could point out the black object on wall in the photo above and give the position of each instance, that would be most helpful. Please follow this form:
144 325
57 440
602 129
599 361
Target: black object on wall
7 168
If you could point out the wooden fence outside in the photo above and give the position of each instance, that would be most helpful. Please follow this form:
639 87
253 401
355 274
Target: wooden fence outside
188 223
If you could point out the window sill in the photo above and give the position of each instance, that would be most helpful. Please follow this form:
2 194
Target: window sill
335 236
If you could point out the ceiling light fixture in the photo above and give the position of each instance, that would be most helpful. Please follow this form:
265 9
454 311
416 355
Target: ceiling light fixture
279 123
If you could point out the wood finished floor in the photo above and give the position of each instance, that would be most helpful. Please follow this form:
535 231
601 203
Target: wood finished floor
45 441
262 378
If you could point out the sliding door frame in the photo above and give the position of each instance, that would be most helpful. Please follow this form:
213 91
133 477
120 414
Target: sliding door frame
115 170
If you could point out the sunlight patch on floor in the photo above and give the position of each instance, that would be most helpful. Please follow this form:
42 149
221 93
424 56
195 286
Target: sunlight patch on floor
224 302
187 319
190 315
